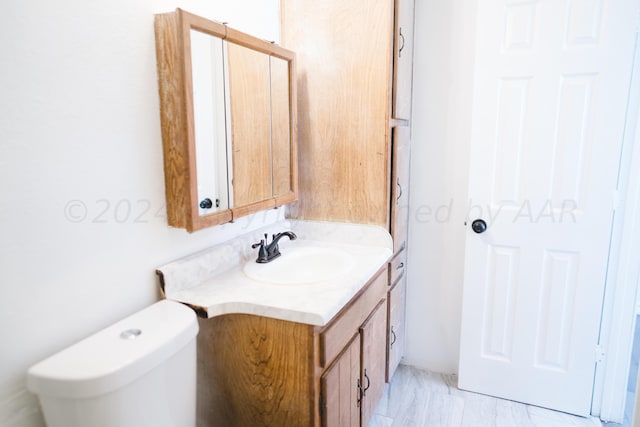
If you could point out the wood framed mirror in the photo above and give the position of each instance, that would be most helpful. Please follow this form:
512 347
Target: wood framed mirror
227 105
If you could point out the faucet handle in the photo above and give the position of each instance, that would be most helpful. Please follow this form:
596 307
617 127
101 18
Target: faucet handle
262 242
263 254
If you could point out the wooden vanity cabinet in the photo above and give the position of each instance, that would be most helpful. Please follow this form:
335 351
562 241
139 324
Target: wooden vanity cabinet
355 66
259 371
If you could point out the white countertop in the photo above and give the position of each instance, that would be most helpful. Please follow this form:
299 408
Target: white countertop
214 282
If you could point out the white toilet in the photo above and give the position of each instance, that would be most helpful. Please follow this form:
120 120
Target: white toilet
138 372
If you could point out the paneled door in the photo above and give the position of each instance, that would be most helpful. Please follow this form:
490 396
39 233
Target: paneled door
550 94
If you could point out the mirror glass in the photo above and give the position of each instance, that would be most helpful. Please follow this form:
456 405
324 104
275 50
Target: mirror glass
208 87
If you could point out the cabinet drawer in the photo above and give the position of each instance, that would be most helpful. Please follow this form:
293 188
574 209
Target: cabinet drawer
397 266
345 325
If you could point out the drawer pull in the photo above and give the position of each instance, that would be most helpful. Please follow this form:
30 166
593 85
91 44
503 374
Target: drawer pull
394 337
364 392
399 190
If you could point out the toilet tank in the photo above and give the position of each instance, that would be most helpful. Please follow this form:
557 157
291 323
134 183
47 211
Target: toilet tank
140 371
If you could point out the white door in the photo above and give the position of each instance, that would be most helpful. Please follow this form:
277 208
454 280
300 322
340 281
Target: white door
551 86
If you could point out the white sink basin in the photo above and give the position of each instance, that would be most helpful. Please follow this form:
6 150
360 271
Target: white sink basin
302 265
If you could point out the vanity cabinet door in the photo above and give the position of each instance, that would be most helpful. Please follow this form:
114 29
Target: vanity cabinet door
400 187
403 59
395 337
374 355
340 389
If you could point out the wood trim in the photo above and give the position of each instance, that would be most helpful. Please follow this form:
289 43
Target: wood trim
264 46
187 81
293 133
245 210
173 119
191 21
209 220
284 199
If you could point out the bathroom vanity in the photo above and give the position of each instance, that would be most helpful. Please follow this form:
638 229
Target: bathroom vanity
275 352
263 371
310 339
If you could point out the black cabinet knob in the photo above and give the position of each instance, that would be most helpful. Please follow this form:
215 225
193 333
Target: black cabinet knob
206 203
479 226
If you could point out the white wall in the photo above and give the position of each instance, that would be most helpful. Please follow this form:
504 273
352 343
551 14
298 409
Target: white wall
442 93
80 134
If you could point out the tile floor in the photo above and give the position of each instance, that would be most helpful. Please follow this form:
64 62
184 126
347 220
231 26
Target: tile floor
424 399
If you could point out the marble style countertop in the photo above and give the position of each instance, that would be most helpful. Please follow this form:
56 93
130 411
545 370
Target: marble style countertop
213 281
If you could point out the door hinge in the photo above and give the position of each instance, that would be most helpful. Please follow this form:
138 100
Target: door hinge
600 354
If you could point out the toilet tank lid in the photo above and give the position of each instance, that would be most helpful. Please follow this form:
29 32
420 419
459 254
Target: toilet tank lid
117 355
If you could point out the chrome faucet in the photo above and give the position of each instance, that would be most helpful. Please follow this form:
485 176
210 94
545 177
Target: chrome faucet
271 251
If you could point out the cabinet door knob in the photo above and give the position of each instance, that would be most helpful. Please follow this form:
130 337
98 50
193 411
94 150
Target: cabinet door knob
206 203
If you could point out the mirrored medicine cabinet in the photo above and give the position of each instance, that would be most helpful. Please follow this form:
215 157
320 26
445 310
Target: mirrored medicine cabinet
227 105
